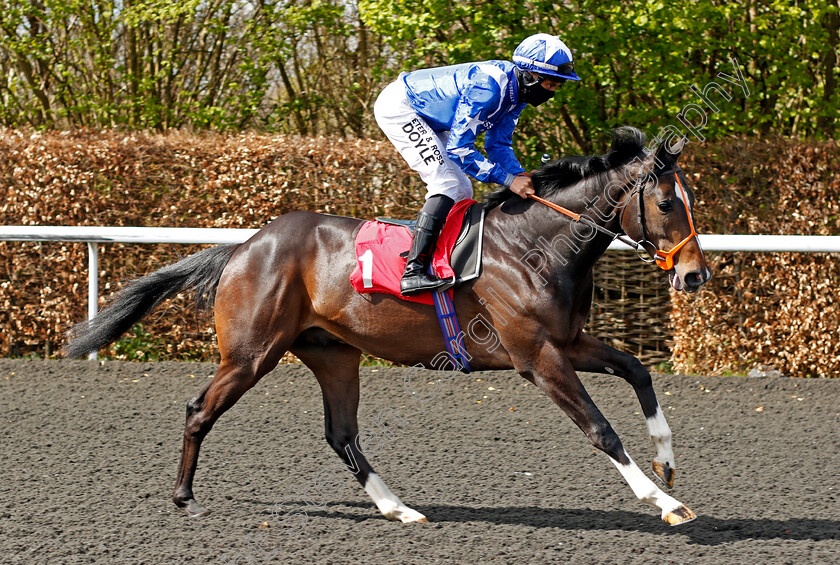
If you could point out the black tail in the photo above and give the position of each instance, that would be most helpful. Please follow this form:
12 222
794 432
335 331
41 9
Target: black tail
201 271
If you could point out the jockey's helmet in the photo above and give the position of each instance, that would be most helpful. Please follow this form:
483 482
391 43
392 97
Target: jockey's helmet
546 55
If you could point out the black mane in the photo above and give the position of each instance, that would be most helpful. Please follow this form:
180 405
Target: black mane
627 142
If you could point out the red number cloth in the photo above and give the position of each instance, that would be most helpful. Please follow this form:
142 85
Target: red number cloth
385 243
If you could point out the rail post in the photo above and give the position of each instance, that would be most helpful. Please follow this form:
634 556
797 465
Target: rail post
93 285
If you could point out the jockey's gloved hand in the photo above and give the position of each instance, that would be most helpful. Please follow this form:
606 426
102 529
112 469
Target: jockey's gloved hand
522 185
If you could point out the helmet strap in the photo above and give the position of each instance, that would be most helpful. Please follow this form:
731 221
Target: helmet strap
526 78
530 90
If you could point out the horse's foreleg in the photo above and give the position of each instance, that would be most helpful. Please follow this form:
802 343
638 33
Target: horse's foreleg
591 355
553 373
336 366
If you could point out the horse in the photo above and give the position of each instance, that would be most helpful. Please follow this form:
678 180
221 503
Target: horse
287 289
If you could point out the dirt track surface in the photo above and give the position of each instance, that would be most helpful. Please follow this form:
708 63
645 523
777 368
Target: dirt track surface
89 454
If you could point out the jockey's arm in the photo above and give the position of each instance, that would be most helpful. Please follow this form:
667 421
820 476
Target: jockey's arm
498 142
472 111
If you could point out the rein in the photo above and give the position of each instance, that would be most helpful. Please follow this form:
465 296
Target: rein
584 220
664 259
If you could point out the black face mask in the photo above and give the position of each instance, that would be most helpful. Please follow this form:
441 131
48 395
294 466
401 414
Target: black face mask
530 90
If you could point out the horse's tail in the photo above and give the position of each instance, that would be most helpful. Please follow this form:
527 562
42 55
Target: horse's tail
200 271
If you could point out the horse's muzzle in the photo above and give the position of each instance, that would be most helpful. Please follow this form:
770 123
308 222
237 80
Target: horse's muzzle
691 281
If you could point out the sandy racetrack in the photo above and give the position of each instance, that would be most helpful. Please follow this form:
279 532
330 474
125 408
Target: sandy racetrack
89 454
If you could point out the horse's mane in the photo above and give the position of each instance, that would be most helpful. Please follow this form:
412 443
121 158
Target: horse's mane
627 142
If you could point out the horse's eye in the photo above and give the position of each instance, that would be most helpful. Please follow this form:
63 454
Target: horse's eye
666 206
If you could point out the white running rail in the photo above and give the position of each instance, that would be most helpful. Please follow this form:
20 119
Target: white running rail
93 236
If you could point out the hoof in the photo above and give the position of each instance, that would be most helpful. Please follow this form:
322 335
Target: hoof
679 515
193 508
406 515
664 472
411 517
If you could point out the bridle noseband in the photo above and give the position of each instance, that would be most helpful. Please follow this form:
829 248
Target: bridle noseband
663 259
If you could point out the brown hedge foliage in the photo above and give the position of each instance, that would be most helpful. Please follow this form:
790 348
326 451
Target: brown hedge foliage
773 309
776 309
177 180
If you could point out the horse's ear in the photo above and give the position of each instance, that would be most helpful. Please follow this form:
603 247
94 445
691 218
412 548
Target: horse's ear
670 148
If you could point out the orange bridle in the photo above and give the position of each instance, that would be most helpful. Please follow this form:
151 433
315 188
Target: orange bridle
665 259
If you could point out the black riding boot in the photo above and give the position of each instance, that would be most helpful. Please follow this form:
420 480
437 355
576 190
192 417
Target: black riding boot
416 278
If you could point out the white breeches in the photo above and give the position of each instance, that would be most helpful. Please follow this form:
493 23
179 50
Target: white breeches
423 149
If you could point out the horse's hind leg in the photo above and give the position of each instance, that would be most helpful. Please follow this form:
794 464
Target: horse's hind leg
336 366
553 374
590 354
232 380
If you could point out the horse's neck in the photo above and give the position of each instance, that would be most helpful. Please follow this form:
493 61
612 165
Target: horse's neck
573 246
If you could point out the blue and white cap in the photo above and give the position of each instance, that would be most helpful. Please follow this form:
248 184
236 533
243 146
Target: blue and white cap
547 55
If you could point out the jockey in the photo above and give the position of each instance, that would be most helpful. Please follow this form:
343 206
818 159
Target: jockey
433 116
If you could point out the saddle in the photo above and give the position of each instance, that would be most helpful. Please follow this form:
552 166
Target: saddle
382 247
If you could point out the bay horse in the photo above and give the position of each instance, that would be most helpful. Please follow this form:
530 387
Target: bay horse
287 289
